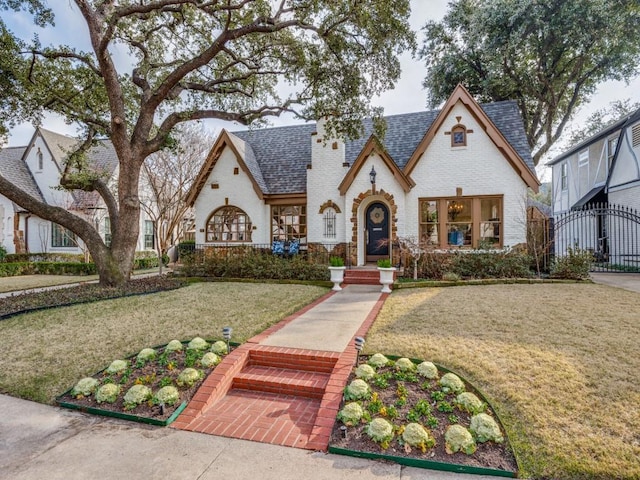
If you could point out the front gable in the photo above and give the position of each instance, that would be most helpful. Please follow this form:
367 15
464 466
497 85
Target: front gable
373 147
239 150
461 96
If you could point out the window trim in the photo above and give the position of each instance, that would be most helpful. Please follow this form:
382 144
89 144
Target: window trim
62 237
149 237
461 129
238 231
302 226
564 176
443 219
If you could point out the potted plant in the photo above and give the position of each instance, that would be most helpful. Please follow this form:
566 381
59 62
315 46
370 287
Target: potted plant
386 274
336 267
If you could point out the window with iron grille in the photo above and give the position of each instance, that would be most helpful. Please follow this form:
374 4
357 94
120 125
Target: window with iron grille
329 223
229 224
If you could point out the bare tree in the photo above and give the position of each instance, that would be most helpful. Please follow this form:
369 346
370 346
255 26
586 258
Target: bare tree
167 176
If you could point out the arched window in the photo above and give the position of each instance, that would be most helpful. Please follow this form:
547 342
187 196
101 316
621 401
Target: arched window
459 136
229 224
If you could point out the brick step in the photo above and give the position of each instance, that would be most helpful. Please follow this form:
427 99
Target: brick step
362 277
281 381
321 362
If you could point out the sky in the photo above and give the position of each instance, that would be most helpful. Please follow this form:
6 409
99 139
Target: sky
408 96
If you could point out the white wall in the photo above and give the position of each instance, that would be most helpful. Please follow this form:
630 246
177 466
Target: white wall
479 168
238 189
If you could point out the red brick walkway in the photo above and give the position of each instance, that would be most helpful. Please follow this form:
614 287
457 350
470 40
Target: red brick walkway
278 395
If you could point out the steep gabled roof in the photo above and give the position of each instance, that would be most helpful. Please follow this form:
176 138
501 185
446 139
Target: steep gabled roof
14 169
510 139
59 145
281 155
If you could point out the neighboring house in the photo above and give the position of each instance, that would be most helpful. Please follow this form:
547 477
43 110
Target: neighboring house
596 194
454 178
37 169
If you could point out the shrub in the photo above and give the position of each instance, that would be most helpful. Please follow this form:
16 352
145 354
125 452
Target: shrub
451 277
378 360
108 393
198 344
381 431
219 348
450 382
174 346
417 436
136 395
428 370
384 263
186 249
351 413
209 359
485 428
575 265
470 403
336 262
117 366
85 387
458 439
3 253
474 264
168 395
146 354
365 372
188 377
405 365
357 390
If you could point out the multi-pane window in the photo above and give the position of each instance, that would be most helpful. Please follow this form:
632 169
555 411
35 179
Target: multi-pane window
229 224
61 237
107 231
611 150
461 222
289 222
329 220
149 243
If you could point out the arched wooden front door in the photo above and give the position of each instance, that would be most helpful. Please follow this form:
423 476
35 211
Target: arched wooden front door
377 233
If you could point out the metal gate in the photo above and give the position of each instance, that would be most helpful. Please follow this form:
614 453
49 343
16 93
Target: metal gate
610 232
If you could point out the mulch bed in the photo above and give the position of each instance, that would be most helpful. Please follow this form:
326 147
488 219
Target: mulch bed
164 370
497 456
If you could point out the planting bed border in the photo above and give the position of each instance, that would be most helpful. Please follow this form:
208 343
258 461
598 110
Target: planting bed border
430 464
129 416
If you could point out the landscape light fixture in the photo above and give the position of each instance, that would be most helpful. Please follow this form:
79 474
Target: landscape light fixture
226 334
372 175
359 344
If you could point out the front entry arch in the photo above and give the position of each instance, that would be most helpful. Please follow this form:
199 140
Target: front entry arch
377 231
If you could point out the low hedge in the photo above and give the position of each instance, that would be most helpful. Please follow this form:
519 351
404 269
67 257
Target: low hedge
253 264
65 268
474 264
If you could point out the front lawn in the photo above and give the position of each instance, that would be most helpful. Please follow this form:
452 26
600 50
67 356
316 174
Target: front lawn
559 363
46 352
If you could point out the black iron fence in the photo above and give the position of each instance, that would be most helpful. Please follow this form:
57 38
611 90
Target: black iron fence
610 232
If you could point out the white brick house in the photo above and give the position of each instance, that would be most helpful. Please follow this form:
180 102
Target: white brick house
453 178
37 168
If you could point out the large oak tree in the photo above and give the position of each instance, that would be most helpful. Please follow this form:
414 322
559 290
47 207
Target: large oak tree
548 55
190 60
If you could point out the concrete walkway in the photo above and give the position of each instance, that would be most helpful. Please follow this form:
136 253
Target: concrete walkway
626 281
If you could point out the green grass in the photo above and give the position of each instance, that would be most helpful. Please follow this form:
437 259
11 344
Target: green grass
44 353
559 362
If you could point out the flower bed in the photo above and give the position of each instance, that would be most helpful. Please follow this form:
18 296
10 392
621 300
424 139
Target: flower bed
420 414
152 386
